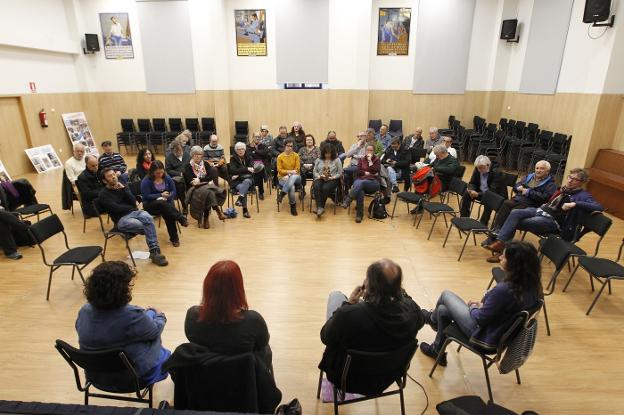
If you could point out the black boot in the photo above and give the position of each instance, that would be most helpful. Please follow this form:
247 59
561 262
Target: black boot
293 209
158 258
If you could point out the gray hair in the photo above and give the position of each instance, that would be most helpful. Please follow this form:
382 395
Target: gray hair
89 157
174 144
440 149
543 163
77 145
482 161
433 130
582 174
197 150
238 145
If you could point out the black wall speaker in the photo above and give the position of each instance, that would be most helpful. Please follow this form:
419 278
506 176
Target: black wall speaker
508 29
596 11
92 42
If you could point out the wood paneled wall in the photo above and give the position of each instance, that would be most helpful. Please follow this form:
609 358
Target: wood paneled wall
595 121
14 138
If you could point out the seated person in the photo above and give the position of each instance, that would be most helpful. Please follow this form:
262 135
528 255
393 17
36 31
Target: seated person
195 176
308 155
415 140
288 168
532 191
111 160
297 135
378 316
89 185
434 139
397 160
444 165
145 156
483 178
372 140
159 193
223 321
448 143
327 173
118 201
13 233
175 161
214 154
487 320
337 144
241 175
108 321
367 182
357 151
265 137
279 142
261 156
19 192
383 137
561 214
75 164
184 138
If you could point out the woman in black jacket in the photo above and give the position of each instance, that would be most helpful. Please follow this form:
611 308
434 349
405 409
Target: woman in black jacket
196 174
241 175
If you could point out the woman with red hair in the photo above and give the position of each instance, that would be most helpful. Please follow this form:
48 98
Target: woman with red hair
223 322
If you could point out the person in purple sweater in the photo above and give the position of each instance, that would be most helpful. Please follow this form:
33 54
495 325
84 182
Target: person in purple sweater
485 321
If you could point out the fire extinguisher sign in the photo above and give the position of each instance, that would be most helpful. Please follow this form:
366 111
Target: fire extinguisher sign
33 87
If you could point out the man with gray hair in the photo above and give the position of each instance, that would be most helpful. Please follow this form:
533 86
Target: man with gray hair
483 178
434 139
75 164
214 154
378 316
444 166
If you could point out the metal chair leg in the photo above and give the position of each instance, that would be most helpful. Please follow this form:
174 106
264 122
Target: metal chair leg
396 199
432 225
49 284
463 247
447 235
487 380
546 318
518 377
402 400
318 390
571 276
597 296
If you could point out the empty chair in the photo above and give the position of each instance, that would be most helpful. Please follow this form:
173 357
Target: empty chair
107 370
159 135
435 209
141 138
375 125
535 152
395 129
124 137
77 258
208 128
26 205
175 128
241 131
192 124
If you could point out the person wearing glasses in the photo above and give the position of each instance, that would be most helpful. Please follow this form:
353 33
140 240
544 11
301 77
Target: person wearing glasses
357 151
288 174
561 214
448 143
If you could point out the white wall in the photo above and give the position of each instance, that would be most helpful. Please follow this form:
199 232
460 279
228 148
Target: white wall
483 45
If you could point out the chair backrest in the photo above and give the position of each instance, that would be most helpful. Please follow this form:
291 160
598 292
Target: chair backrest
457 186
375 125
451 118
595 222
109 369
509 180
492 200
241 127
127 125
556 250
395 125
175 124
192 124
159 125
145 125
370 373
490 130
543 139
519 130
460 171
558 143
46 228
517 342
511 125
502 124
208 125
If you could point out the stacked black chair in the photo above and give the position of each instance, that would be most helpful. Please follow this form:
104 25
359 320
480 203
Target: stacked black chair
395 128
502 124
175 128
510 127
558 154
375 125
533 153
77 258
478 140
108 370
159 135
208 128
518 140
494 149
124 137
141 138
241 131
192 124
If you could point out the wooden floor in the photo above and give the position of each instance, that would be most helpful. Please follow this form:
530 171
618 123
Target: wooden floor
290 264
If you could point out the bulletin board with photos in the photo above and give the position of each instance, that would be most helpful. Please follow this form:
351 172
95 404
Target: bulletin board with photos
79 131
43 158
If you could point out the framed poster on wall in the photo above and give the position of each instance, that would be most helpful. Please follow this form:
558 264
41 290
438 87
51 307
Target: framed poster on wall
116 36
79 132
43 158
393 31
250 32
4 174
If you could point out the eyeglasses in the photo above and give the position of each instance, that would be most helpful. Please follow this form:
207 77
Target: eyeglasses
289 145
576 179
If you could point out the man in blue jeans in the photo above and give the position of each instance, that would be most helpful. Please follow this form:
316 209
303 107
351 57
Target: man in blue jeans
561 214
118 201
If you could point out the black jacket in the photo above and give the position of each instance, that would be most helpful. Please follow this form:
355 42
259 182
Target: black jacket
494 182
259 152
402 158
278 145
445 169
89 186
189 174
366 327
117 203
207 381
174 166
337 144
238 167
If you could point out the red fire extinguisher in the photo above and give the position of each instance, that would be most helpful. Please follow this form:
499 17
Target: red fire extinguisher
43 118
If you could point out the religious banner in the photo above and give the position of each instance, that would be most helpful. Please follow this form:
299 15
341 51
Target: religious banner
393 31
79 132
250 32
116 36
43 158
